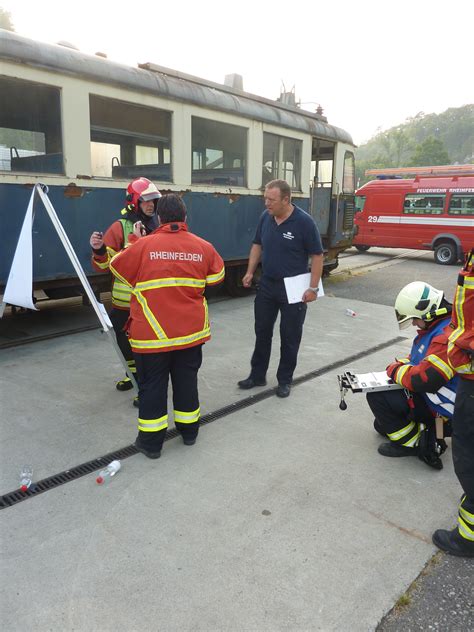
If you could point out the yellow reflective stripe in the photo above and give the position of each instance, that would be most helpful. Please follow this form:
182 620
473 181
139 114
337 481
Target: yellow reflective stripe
469 283
464 530
153 425
441 365
117 275
206 313
411 443
187 418
466 515
214 278
119 303
459 300
404 360
462 368
401 372
394 436
156 284
154 324
102 265
170 342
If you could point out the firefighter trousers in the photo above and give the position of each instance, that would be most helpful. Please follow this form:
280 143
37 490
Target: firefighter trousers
119 318
271 298
153 372
463 453
396 419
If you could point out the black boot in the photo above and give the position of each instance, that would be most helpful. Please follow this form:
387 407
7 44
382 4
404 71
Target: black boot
393 449
453 543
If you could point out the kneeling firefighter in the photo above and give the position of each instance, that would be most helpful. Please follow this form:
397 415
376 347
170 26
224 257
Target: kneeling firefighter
407 417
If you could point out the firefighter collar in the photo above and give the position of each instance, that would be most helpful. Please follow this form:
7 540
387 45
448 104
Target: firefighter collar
172 227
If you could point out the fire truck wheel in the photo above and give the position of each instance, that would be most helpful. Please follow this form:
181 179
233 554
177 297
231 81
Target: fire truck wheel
446 253
362 248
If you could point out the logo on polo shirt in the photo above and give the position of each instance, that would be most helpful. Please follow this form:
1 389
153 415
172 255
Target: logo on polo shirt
288 235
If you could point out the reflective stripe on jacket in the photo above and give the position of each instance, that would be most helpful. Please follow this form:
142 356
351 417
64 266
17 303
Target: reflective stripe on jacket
461 340
115 239
167 273
441 402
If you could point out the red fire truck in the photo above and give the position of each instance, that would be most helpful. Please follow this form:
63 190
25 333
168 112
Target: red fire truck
432 211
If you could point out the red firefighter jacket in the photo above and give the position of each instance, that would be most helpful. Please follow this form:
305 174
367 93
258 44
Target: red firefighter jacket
461 340
168 272
115 239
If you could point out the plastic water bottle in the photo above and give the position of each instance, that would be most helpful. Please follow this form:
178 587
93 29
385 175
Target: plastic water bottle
26 477
350 312
108 472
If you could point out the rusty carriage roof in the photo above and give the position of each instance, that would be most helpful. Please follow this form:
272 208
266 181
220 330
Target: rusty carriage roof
164 82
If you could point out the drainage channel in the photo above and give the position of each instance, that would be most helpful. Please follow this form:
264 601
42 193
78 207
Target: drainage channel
17 496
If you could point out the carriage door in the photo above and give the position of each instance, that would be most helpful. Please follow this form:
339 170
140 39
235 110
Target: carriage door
322 165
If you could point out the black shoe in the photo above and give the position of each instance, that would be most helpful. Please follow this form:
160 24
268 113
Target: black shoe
283 390
392 449
136 402
378 429
189 441
147 453
250 382
453 543
124 385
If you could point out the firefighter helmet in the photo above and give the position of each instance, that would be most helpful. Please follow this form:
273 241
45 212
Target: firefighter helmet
418 300
141 190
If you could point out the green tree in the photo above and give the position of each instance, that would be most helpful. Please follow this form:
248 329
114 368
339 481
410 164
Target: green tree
430 152
6 20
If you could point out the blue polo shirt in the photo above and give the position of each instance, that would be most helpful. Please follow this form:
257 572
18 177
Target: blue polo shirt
286 247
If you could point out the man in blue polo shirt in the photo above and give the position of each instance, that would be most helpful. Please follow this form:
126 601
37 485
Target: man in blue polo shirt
285 239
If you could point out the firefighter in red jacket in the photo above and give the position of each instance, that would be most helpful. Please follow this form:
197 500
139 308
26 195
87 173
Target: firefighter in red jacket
141 199
167 273
407 417
460 541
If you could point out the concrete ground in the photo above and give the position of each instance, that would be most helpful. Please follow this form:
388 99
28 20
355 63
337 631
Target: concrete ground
282 517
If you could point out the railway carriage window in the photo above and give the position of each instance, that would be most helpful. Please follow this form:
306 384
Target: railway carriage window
348 178
30 135
423 204
128 140
281 160
219 153
461 205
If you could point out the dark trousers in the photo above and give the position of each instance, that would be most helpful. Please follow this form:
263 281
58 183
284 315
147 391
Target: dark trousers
463 440
271 298
118 318
393 413
153 372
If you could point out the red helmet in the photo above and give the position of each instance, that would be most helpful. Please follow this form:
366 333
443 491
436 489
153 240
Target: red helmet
141 190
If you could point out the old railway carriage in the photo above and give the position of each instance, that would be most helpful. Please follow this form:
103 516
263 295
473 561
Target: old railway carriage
86 126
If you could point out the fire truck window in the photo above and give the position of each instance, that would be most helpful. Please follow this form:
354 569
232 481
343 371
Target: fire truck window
461 205
423 204
359 203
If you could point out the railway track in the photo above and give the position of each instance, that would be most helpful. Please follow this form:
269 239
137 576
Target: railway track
21 329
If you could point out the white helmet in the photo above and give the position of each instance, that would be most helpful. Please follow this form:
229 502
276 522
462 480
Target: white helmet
417 300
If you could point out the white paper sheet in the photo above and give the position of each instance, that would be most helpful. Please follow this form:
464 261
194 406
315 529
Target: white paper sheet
19 287
296 286
374 380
